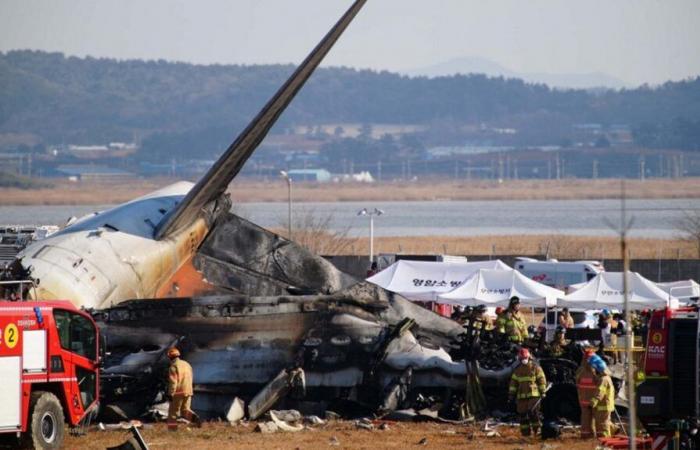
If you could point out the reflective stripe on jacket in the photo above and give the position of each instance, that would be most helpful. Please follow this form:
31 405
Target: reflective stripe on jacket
514 326
604 398
585 384
527 381
180 378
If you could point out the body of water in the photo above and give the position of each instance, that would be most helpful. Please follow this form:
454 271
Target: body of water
651 218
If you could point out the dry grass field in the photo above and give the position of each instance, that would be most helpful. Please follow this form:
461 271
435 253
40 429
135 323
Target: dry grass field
557 246
73 193
341 434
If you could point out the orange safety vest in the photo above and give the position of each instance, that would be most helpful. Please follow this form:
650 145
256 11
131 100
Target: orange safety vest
585 384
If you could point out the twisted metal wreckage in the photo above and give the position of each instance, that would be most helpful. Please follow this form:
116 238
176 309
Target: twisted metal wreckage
257 315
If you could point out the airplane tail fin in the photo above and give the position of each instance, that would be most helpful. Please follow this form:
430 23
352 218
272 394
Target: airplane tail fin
217 179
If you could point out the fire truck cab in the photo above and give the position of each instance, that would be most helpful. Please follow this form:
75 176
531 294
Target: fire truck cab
49 358
668 400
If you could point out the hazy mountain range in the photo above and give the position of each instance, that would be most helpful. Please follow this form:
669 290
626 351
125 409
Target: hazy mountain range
472 64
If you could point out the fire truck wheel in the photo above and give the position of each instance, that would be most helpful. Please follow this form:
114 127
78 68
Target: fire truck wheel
46 422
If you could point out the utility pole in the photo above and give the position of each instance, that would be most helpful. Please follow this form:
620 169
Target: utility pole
625 225
641 167
595 169
549 169
558 167
286 176
379 170
500 166
515 168
371 214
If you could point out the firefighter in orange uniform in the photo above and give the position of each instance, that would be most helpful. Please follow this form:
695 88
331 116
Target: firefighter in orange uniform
586 387
603 401
527 386
179 390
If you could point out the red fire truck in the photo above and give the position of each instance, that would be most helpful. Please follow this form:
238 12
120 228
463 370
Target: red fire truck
49 358
668 401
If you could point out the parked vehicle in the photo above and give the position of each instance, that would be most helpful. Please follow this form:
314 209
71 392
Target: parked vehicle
582 319
49 358
558 274
668 400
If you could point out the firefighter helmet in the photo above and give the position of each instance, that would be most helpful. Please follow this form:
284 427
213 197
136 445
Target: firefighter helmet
523 353
514 300
597 363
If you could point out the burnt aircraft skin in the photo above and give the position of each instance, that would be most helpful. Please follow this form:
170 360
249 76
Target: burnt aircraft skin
237 341
241 257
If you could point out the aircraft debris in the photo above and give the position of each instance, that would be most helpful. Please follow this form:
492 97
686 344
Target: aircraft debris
134 442
266 427
287 420
236 411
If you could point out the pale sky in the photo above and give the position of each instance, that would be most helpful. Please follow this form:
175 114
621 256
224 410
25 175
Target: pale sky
635 40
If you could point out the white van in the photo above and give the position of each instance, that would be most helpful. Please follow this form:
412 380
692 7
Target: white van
558 274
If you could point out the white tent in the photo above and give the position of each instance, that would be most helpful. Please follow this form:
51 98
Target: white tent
605 291
496 287
425 280
681 289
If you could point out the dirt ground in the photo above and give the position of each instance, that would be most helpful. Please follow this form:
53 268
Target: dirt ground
340 434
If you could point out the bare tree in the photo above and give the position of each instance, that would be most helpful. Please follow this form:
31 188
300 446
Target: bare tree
314 232
689 227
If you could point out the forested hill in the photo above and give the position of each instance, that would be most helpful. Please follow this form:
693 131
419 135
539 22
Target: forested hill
86 100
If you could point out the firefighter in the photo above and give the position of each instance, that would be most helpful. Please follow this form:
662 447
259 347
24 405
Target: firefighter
603 400
558 345
179 390
586 386
511 322
565 319
527 386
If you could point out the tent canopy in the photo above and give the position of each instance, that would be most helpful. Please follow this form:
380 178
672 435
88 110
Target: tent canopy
425 280
681 289
496 287
605 291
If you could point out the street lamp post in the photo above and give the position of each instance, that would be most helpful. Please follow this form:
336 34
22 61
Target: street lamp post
286 176
371 214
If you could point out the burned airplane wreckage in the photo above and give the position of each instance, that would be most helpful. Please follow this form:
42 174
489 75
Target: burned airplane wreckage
265 315
256 315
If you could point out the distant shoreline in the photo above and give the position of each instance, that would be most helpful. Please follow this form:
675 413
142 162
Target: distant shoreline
246 191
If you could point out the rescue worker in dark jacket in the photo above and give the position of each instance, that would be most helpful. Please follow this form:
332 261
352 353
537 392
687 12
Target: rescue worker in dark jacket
586 387
603 401
527 386
558 345
512 323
